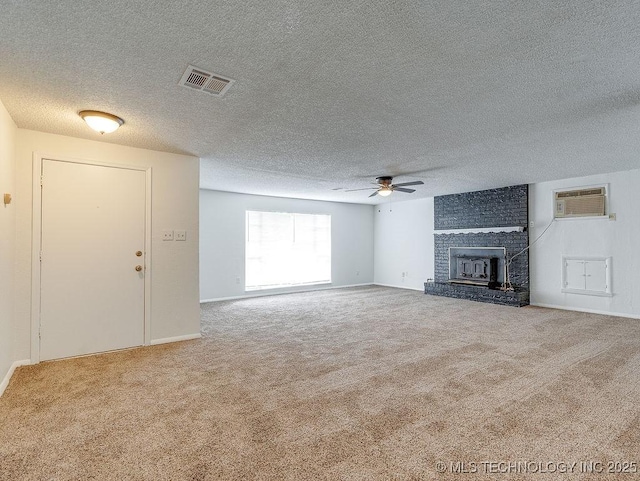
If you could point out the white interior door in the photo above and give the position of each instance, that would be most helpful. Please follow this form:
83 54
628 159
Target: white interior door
93 225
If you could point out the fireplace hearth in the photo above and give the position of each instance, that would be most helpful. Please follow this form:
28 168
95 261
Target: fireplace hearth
477 266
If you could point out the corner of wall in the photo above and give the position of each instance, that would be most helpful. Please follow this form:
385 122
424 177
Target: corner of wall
403 243
8 133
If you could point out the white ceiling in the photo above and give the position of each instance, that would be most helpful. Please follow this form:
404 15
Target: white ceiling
330 94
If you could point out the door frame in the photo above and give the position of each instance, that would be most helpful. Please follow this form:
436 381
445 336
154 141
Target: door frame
36 243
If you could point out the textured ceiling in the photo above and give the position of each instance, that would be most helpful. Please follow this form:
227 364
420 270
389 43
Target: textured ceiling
330 94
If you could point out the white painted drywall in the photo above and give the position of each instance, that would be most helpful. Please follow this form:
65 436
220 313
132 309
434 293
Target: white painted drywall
403 242
222 240
174 265
590 238
8 132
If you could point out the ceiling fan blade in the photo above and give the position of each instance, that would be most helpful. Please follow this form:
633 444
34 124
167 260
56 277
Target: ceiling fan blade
403 184
374 194
400 189
366 188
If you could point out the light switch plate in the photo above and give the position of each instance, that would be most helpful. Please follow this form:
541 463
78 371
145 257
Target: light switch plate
167 235
181 235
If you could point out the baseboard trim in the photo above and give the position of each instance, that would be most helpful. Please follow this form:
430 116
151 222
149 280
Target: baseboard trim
7 378
166 340
262 294
590 311
420 289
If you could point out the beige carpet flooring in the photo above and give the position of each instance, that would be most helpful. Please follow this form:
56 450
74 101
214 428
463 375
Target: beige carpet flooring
350 384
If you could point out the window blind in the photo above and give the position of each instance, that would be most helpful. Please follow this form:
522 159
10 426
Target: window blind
287 249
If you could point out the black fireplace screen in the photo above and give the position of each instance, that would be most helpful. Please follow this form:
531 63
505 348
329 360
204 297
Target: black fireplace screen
477 266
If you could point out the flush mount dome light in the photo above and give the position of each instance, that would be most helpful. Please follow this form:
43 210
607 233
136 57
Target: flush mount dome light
101 121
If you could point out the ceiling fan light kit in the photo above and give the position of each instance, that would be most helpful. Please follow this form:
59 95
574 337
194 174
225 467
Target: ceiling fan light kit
386 188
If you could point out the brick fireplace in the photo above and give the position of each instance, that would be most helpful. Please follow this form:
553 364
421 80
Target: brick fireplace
476 233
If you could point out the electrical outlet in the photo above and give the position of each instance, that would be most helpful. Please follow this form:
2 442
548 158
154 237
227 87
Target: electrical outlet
612 216
181 235
167 235
237 280
532 224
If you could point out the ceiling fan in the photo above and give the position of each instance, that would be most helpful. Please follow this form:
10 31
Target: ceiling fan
385 186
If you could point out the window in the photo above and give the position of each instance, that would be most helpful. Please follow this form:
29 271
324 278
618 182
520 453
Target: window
284 249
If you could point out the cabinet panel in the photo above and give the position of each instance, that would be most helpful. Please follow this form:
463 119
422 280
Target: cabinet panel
586 275
574 274
595 276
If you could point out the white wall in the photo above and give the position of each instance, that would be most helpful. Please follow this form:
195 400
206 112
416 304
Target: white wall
222 240
588 237
403 242
8 132
174 265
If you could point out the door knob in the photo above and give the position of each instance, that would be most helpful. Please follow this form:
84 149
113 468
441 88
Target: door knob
139 253
138 268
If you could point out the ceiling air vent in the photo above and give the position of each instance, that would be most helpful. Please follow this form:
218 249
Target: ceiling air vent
580 202
198 79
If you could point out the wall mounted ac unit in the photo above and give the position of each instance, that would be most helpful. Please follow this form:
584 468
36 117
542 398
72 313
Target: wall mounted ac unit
580 203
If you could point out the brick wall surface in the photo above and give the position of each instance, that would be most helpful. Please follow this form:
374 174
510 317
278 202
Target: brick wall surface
503 207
